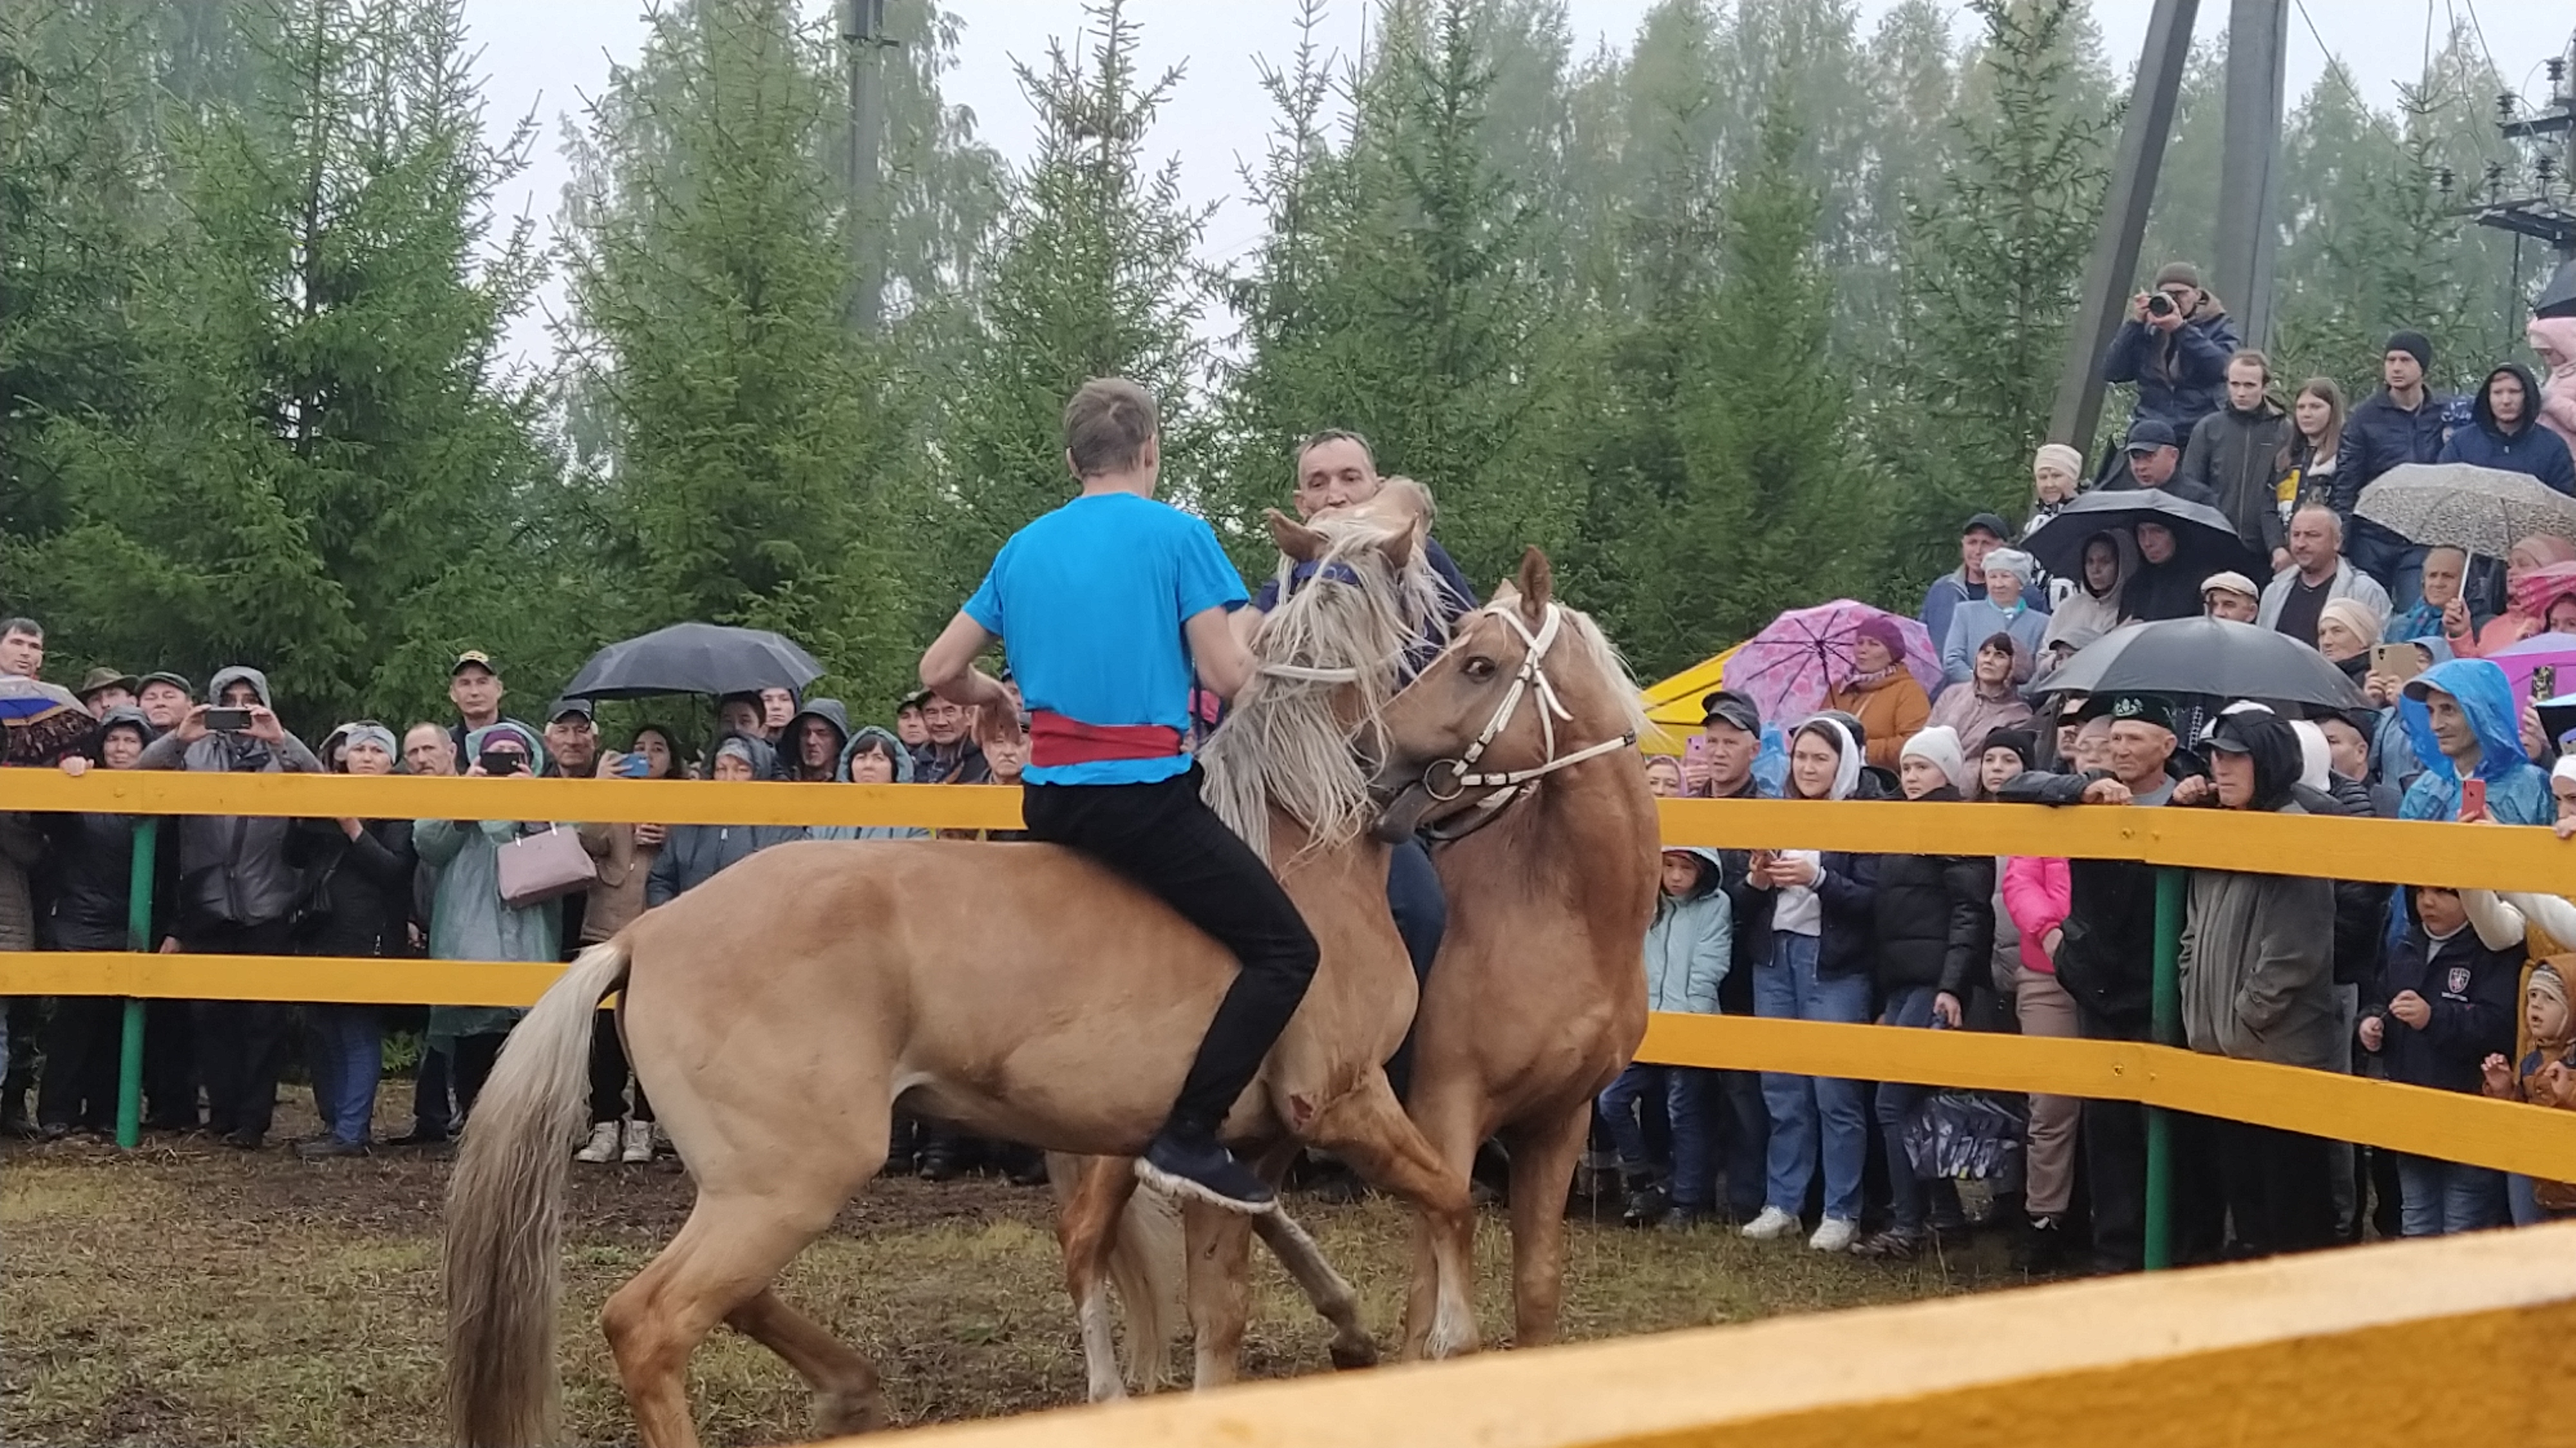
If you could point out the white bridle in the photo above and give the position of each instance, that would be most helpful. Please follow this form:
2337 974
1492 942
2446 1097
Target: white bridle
1531 678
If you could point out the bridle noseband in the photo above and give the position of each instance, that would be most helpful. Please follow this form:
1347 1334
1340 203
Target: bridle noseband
1512 784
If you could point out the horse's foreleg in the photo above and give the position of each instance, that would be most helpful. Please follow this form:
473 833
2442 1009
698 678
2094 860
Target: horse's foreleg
1220 1290
1368 1128
1085 1226
1326 1289
1544 1154
845 1384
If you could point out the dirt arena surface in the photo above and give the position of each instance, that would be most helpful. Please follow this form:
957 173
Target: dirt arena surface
188 1293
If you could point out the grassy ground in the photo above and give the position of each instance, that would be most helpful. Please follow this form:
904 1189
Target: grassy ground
188 1293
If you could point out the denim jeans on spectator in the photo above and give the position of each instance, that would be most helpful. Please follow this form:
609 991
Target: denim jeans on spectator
2396 563
2443 1197
1684 1094
1910 1007
348 1044
1737 1112
1812 1112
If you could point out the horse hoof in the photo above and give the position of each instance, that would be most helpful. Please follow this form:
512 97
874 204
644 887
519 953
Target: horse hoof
843 1412
1348 1357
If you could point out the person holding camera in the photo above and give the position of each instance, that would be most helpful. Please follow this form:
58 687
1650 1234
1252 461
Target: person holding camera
469 919
238 893
2175 347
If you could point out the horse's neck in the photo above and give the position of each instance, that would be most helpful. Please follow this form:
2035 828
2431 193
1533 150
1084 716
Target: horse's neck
1577 835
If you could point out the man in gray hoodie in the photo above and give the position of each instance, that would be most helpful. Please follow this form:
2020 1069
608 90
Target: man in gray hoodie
237 893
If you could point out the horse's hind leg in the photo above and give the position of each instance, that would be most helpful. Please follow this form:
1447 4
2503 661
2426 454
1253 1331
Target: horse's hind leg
1086 1224
1544 1153
845 1384
1366 1127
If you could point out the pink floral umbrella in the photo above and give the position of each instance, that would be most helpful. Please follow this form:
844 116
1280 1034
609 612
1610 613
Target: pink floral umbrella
1805 654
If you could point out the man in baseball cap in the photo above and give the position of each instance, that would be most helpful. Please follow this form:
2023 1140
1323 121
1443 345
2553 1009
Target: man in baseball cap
1982 534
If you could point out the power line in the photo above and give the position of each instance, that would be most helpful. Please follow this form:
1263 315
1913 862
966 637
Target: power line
2335 67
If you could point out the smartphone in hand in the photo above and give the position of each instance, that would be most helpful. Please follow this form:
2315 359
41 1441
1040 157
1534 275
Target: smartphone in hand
2473 800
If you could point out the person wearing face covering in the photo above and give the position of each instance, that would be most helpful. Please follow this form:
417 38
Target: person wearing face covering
2258 985
1823 934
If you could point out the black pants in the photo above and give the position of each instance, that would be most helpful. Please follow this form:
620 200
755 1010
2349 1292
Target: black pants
1166 839
170 1065
240 1044
609 1073
1421 918
2114 1142
2280 1188
82 1043
472 1066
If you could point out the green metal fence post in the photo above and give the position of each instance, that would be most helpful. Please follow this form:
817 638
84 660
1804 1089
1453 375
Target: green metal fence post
138 935
2171 886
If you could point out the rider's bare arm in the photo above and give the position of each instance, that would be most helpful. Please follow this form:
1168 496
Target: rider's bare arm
948 668
1246 621
1217 646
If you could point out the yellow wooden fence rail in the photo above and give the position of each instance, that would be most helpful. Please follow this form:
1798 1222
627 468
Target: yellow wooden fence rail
2459 1342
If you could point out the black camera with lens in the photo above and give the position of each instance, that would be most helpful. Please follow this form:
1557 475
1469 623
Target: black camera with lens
2159 305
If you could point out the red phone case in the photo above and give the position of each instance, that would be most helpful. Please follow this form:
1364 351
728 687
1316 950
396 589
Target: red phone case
2473 800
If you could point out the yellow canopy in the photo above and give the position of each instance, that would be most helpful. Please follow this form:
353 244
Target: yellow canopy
1673 704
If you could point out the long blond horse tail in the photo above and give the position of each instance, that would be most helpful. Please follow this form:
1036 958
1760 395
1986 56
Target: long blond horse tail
1149 1265
505 1216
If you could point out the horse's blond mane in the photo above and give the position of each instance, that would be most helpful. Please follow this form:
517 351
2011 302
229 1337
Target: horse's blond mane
1287 745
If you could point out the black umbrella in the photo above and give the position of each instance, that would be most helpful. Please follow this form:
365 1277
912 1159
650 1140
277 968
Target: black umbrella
694 658
2206 656
2203 537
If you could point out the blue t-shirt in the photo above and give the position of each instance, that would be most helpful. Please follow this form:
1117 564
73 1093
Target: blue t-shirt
1090 599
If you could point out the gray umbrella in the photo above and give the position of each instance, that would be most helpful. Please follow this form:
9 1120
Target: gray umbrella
694 658
2206 656
2484 510
2204 538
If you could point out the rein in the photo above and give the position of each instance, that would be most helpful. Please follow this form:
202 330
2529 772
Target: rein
1514 784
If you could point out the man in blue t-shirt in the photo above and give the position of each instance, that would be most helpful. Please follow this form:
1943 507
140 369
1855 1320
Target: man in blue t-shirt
1108 604
1336 469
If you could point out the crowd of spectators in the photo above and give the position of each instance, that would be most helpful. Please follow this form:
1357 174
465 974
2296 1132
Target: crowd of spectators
2447 989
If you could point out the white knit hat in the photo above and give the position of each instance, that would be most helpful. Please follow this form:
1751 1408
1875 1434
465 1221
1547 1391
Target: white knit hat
1939 747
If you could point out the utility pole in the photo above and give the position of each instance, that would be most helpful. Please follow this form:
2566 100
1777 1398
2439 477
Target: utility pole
2540 206
863 40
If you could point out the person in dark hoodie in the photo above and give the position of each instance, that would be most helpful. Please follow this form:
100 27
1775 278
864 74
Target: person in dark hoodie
873 756
237 896
692 854
2164 585
92 870
2444 1005
1935 921
811 745
360 905
2508 434
2403 422
2258 985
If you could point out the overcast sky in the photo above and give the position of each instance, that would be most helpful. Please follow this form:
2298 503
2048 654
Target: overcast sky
545 57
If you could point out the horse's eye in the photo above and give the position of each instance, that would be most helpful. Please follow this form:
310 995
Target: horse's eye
1480 668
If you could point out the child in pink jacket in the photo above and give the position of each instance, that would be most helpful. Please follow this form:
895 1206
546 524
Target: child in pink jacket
2036 893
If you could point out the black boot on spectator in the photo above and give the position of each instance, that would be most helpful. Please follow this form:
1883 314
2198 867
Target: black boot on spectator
943 1154
2040 1250
1648 1202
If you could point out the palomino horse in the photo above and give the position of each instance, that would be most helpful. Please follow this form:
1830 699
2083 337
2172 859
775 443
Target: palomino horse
1514 749
778 1012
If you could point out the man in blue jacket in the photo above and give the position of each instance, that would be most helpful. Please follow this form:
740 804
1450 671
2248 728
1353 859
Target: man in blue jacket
2175 347
2507 434
2403 422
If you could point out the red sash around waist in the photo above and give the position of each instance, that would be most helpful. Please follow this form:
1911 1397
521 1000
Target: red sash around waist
1056 741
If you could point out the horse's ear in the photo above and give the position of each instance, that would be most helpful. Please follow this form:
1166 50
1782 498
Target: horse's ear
1535 583
1294 538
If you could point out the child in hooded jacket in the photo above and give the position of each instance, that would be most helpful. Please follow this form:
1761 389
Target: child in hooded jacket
2442 1007
2546 1077
1688 949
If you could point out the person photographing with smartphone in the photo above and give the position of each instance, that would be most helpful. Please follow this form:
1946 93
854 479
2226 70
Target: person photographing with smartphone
2463 721
238 892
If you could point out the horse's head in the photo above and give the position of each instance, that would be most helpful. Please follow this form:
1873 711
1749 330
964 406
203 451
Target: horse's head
1395 521
1526 688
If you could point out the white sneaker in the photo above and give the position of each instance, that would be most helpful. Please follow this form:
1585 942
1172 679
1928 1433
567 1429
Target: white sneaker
639 1142
602 1145
1835 1235
1772 1225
